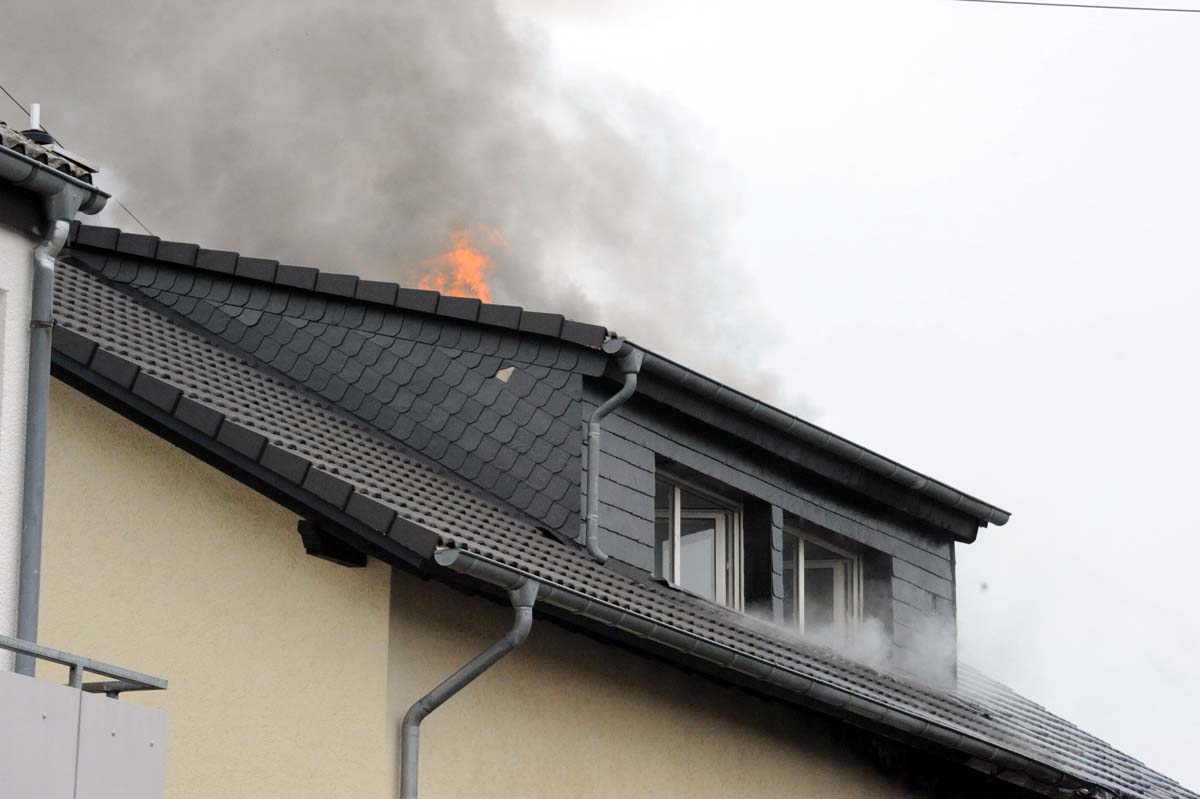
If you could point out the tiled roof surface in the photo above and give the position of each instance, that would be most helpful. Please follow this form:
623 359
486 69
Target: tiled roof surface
414 364
200 378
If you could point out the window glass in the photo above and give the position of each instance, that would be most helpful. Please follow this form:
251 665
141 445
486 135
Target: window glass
791 561
698 557
818 599
813 551
822 591
690 501
697 542
662 495
662 548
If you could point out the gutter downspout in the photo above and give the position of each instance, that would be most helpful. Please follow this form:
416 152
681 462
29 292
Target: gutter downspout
64 196
629 361
522 592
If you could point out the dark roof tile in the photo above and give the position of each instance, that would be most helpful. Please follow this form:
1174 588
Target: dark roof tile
339 285
471 467
543 324
175 252
500 315
454 458
417 300
371 512
372 320
298 277
164 280
285 463
137 245
583 334
489 448
157 392
199 416
403 428
328 487
115 368
220 261
241 439
369 408
387 418
420 437
436 448
314 308
459 307
450 335
376 291
557 517
540 507
102 238
256 268
74 346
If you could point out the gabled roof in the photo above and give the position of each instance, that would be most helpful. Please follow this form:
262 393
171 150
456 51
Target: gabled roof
137 342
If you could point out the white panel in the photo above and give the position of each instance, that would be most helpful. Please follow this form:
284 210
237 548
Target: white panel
15 271
122 750
39 722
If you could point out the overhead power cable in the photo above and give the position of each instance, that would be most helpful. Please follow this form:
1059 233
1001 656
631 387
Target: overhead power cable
25 111
1083 5
16 102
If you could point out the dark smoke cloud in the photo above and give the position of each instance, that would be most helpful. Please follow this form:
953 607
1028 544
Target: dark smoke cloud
354 137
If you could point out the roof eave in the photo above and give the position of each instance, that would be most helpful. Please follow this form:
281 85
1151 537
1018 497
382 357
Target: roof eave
794 427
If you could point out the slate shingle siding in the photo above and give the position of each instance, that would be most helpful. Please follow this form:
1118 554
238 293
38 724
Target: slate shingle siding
626 528
922 562
429 381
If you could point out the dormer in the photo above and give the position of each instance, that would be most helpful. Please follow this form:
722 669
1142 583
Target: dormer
718 495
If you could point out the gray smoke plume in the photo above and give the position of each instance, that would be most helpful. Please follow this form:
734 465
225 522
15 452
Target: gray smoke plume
355 137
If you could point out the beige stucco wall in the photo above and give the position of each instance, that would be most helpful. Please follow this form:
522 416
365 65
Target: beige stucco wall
276 660
567 716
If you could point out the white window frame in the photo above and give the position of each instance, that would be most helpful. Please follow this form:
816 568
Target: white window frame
728 551
847 582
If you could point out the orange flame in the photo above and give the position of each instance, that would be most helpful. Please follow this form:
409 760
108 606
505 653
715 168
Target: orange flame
463 271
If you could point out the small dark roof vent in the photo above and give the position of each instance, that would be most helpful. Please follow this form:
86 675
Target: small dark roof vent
38 136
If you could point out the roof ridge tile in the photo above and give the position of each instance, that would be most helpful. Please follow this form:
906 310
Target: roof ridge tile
347 286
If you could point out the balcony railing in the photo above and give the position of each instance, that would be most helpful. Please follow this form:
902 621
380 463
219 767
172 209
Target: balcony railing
120 679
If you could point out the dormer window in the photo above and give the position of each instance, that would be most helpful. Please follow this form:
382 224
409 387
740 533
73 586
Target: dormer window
822 586
698 542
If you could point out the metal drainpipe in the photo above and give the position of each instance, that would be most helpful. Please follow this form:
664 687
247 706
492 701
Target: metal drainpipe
64 196
629 361
37 409
522 592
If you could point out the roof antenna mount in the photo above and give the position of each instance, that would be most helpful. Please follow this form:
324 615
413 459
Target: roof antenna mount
36 132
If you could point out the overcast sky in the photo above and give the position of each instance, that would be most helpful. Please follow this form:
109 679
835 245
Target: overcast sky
970 237
963 235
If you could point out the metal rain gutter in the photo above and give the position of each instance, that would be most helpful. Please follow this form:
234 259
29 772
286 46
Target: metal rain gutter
63 197
629 361
795 427
980 754
522 592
